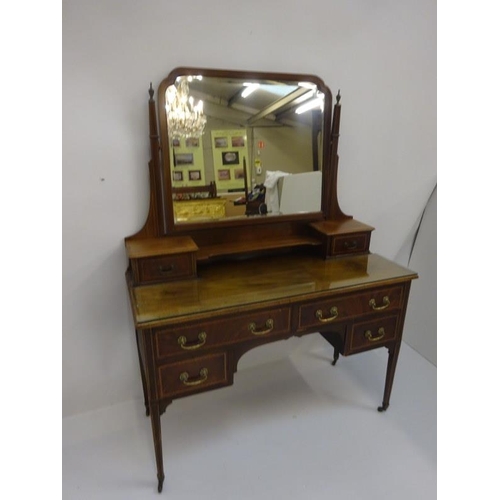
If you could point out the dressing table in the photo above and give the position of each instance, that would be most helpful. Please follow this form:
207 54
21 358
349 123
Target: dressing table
204 291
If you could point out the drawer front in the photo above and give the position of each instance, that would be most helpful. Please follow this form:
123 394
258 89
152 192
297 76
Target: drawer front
206 334
194 375
353 243
165 268
323 312
368 334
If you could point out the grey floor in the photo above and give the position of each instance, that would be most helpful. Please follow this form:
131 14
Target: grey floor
293 428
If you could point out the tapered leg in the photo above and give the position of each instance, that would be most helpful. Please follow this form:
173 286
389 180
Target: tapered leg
143 374
336 340
389 378
156 426
336 353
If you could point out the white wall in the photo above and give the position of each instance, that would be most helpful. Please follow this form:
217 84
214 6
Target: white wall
382 55
420 254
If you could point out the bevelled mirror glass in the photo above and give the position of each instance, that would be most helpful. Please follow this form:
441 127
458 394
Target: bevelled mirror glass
239 145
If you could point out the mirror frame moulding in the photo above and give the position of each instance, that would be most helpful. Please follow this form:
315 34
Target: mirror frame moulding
170 227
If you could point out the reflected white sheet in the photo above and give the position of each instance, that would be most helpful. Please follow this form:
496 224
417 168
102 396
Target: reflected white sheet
301 193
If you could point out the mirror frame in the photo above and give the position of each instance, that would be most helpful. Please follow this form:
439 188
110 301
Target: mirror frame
328 166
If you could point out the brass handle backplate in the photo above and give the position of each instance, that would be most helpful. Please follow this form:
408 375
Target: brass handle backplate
269 328
385 304
334 312
182 341
351 245
184 378
166 269
369 336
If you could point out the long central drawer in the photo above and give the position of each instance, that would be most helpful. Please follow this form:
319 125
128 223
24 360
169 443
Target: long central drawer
197 337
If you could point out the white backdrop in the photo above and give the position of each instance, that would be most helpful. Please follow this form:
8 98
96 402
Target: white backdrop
382 55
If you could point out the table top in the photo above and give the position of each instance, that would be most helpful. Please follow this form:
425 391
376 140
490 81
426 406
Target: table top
276 280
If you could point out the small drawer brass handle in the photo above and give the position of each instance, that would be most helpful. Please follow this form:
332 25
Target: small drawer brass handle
182 341
269 328
184 378
166 269
385 304
371 338
334 312
351 245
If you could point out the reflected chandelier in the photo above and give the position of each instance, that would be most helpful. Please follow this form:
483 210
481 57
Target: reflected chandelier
184 118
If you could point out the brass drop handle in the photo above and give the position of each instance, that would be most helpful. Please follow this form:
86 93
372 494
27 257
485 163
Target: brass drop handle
371 338
184 378
351 245
166 269
269 328
334 312
385 304
182 341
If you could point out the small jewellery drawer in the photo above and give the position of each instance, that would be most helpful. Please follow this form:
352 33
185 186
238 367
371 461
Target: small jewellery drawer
336 309
324 312
371 333
193 375
352 243
205 334
165 268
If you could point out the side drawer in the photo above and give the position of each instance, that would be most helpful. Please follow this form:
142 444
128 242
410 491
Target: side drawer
322 312
164 268
193 375
368 334
197 337
351 243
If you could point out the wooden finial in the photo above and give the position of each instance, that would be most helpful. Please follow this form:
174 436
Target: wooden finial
338 97
151 91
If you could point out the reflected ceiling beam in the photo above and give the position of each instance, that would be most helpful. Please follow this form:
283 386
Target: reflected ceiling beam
278 104
239 94
231 115
207 97
234 97
239 114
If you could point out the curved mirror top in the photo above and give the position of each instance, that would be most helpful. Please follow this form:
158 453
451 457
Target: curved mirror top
242 147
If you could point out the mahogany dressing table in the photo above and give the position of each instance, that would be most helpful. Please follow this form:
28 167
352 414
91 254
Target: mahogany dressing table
203 292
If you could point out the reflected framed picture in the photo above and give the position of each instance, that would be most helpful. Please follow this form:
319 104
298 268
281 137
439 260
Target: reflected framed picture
192 142
230 158
177 175
239 173
238 141
182 159
176 143
224 175
220 142
195 175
